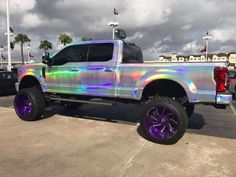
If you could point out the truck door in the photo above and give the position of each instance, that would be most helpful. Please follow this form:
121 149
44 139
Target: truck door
99 75
64 74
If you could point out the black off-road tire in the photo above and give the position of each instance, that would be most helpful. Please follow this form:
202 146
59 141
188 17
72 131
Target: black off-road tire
34 99
172 106
189 107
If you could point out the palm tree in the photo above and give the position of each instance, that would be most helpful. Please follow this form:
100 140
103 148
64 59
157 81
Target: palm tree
22 38
65 39
45 45
86 39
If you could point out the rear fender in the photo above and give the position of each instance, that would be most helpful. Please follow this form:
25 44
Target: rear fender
182 80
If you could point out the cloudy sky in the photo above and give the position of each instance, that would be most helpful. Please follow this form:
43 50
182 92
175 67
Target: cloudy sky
157 26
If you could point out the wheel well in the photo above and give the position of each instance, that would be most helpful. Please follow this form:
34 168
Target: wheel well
165 88
29 82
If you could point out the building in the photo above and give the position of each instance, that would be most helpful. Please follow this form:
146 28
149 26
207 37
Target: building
221 57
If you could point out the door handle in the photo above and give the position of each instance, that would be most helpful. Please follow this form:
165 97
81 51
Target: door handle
74 69
108 70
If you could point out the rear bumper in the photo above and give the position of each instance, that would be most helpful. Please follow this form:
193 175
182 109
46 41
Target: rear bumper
223 98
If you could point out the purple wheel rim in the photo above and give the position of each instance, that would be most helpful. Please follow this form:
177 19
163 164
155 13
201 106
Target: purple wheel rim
161 122
23 105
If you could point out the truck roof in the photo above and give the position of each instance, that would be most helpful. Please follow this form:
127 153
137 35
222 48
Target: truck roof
92 42
87 42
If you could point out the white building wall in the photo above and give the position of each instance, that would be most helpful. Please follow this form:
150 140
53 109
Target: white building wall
212 58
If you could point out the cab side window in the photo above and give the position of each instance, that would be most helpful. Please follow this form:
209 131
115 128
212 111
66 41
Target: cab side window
100 52
75 53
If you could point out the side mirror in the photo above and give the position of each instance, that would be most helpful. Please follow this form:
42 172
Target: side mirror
46 59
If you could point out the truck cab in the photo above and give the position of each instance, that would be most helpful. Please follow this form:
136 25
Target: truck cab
90 67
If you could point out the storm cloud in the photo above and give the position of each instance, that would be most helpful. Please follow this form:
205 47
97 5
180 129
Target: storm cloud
159 27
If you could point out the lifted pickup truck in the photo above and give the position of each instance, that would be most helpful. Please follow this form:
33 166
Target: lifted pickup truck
110 71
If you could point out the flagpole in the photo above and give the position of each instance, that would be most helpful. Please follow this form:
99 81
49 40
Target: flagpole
8 38
1 56
28 55
206 48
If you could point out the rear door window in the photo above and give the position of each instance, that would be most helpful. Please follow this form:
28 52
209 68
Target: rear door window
100 52
79 53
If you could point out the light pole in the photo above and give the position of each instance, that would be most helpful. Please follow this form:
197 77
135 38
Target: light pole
8 38
92 28
28 52
207 38
113 25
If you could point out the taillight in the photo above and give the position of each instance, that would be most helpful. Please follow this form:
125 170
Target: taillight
220 76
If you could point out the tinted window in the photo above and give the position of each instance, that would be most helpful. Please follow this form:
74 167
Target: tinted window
132 54
7 76
79 53
61 57
100 52
14 75
1 75
76 53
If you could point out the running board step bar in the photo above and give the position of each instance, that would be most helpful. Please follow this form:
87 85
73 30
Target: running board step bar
82 101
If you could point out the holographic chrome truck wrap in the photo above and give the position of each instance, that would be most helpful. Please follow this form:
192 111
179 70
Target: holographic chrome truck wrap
125 80
31 70
196 79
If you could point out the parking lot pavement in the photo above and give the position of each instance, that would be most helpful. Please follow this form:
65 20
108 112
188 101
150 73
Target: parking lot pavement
6 100
234 103
104 141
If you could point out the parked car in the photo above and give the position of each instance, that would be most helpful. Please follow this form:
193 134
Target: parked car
7 82
232 76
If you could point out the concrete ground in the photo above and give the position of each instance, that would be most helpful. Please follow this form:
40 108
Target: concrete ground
104 141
